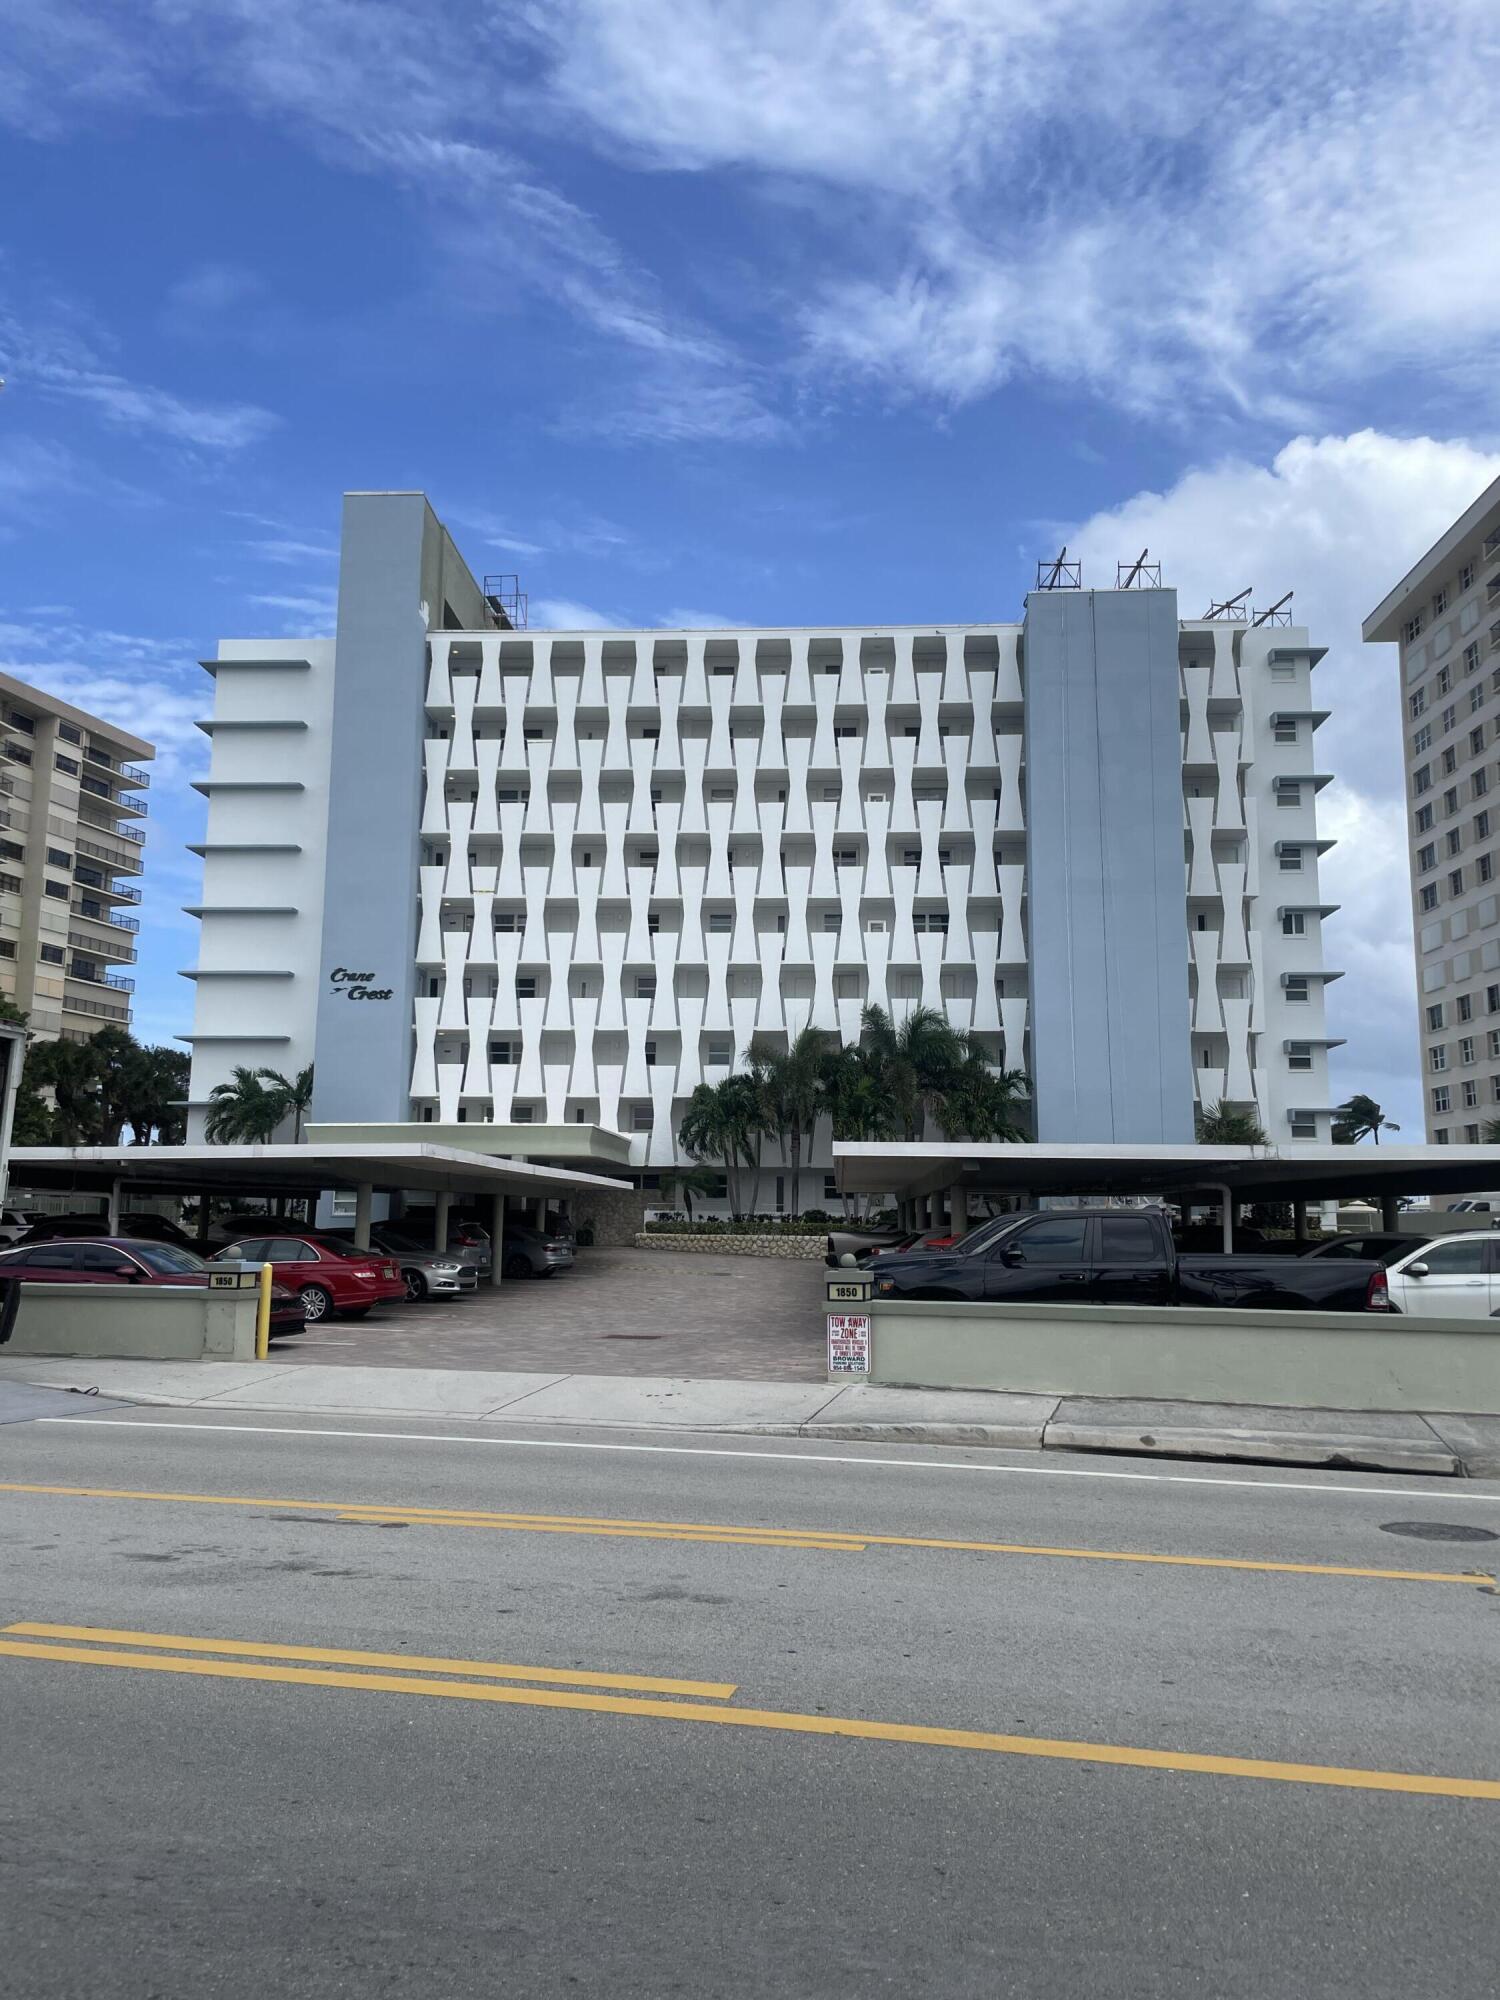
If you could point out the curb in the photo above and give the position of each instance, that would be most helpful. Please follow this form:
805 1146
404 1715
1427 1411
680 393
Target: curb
1332 1452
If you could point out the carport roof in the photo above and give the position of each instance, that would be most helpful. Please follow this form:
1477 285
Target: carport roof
259 1170
1254 1173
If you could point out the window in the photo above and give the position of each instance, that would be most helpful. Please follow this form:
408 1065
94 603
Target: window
1424 819
1299 1055
1466 1049
1466 578
846 857
12 851
931 920
1471 1135
68 764
653 923
19 754
7 947
832 921
642 1118
1422 741
1450 761
911 857
1464 1008
1481 826
1302 1125
1492 1045
1296 986
1284 730
645 986
586 857
1426 857
720 920
1411 630
720 1052
1428 897
1437 1057
1476 741
650 1054
1476 700
1471 657
1059 1240
1439 602
844 731
1442 1098
1450 801
509 920
57 890
1293 923
1481 784
1421 778
52 954
512 795
1492 999
1288 792
58 858
1471 1094
1485 868
718 794
522 1114
1435 1017
1455 881
1291 860
19 721
526 986
1283 672
505 1052
1417 703
1127 1239
1454 840
1440 1136
1457 1258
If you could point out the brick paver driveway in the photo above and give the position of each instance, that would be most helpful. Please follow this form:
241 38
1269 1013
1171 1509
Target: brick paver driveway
617 1312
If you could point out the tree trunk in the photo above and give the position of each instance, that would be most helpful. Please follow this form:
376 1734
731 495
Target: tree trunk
796 1149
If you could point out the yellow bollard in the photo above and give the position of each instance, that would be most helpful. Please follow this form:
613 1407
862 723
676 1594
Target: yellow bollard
263 1315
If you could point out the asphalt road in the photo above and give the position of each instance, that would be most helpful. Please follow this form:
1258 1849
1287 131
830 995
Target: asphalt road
713 1717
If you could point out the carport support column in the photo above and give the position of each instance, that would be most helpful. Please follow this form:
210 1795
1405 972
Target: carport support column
363 1198
114 1207
1299 1221
1390 1212
497 1238
958 1210
440 1206
1226 1212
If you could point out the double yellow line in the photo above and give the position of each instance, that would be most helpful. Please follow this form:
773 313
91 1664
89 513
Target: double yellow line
837 1541
667 1700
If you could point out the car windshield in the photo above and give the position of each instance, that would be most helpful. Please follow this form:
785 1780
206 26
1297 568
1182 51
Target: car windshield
166 1259
989 1233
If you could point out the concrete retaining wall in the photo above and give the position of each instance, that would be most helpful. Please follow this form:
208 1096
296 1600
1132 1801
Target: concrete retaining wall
807 1247
1293 1360
149 1322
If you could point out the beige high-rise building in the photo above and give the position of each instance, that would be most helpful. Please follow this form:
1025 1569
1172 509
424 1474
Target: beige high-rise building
1445 617
71 833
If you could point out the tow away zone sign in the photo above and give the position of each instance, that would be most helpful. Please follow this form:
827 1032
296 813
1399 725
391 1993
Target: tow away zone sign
848 1343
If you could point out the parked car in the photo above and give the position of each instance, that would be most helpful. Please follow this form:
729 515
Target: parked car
327 1275
126 1260
532 1253
1107 1256
921 1240
13 1225
441 1274
144 1228
1382 1248
1471 1205
1452 1277
469 1241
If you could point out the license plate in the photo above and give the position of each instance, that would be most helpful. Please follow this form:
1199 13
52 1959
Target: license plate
388 1270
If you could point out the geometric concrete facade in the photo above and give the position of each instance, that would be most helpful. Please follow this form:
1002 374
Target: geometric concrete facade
569 874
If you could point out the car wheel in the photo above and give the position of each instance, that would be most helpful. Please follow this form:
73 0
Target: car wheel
416 1286
516 1266
316 1304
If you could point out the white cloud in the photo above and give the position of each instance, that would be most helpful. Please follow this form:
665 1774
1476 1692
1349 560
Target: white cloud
683 618
310 612
1338 520
561 614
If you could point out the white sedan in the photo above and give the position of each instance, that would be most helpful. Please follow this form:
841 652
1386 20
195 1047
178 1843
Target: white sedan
1453 1277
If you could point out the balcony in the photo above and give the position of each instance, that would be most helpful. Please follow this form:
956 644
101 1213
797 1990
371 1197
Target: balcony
126 774
96 796
100 885
91 913
101 1010
118 982
102 947
128 861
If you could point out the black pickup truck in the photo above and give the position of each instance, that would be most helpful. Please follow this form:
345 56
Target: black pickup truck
1118 1257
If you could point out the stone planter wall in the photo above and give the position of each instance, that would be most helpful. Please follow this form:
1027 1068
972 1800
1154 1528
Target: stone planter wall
727 1245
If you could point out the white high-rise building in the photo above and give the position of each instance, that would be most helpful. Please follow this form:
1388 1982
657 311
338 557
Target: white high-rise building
524 890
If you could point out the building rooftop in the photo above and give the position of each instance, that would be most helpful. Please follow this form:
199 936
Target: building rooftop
1386 620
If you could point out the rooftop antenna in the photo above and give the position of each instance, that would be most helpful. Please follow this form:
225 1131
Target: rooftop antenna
1234 608
1139 575
1059 574
1278 613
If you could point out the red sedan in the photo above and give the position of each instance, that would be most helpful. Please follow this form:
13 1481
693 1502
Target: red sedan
326 1275
124 1260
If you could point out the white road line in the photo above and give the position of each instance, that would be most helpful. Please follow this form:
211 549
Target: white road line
1448 1492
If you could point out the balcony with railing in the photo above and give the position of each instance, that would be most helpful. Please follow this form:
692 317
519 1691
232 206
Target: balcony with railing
118 982
100 885
126 774
96 796
102 947
100 1010
94 913
124 859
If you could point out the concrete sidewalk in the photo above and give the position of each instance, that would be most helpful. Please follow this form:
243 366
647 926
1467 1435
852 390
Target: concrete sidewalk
1380 1441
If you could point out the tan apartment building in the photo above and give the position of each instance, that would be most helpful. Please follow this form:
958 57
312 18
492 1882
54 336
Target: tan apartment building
71 832
1444 616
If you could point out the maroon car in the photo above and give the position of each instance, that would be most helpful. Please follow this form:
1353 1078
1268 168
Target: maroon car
123 1260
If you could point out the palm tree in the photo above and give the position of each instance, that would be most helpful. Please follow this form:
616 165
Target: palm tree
243 1110
1360 1117
789 1083
294 1094
153 1095
982 1103
71 1072
856 1097
690 1181
919 1060
1222 1125
719 1123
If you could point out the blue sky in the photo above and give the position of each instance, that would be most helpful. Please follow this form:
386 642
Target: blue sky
744 310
